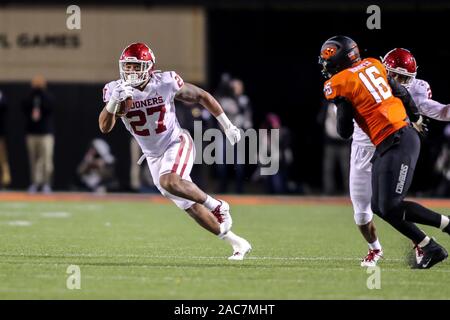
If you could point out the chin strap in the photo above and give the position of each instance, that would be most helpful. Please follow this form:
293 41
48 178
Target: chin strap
141 159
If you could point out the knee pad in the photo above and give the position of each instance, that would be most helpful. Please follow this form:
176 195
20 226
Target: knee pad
362 218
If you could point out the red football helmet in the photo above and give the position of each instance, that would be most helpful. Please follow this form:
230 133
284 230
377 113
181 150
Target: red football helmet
401 64
136 63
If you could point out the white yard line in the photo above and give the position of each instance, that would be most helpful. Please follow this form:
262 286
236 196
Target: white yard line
92 255
19 223
56 214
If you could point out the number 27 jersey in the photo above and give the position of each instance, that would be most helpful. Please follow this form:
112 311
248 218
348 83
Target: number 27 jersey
152 120
376 110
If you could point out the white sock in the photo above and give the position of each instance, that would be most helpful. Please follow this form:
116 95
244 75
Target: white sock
232 239
376 245
424 242
211 203
444 222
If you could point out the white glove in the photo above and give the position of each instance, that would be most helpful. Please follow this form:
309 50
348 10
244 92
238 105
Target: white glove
122 91
119 94
232 133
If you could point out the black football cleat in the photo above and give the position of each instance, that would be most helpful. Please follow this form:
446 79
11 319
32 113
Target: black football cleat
432 253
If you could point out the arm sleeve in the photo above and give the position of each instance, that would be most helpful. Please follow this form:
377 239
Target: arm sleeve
402 93
344 117
435 110
427 106
344 110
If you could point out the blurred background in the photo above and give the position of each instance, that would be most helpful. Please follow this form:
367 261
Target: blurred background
259 58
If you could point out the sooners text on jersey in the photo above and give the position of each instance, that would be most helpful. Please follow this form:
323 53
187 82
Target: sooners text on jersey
152 120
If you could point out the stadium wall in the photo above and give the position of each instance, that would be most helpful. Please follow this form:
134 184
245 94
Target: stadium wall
276 56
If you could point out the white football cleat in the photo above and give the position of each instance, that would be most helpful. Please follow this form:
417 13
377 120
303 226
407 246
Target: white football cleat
241 250
223 216
372 258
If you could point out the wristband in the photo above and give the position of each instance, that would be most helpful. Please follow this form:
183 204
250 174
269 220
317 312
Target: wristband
112 106
224 121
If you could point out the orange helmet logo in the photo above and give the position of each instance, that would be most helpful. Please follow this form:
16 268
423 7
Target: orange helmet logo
328 52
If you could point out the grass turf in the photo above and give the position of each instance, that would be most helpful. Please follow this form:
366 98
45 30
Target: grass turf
140 250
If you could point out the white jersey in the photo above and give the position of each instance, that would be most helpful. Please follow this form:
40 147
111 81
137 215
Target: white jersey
360 137
152 120
421 94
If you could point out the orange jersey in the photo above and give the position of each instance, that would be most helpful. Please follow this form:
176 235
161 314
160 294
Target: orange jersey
376 110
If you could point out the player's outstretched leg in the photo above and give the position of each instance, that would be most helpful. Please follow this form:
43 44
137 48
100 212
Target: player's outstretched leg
208 220
392 175
417 213
185 189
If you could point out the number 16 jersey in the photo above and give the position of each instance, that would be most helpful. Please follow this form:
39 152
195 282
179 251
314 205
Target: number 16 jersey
377 112
152 120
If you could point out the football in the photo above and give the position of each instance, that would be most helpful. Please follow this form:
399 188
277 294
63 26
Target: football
124 107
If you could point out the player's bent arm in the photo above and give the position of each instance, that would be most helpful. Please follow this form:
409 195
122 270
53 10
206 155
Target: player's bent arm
106 121
402 93
120 93
344 117
192 94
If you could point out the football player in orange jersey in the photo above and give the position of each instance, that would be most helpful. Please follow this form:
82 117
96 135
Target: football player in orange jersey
380 106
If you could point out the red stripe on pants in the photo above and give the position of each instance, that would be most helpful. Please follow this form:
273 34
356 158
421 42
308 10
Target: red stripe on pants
186 160
180 152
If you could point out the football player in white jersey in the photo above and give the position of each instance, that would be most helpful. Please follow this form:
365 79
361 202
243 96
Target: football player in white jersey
169 149
401 65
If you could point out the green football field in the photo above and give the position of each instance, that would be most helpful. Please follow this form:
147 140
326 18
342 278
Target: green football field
142 250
